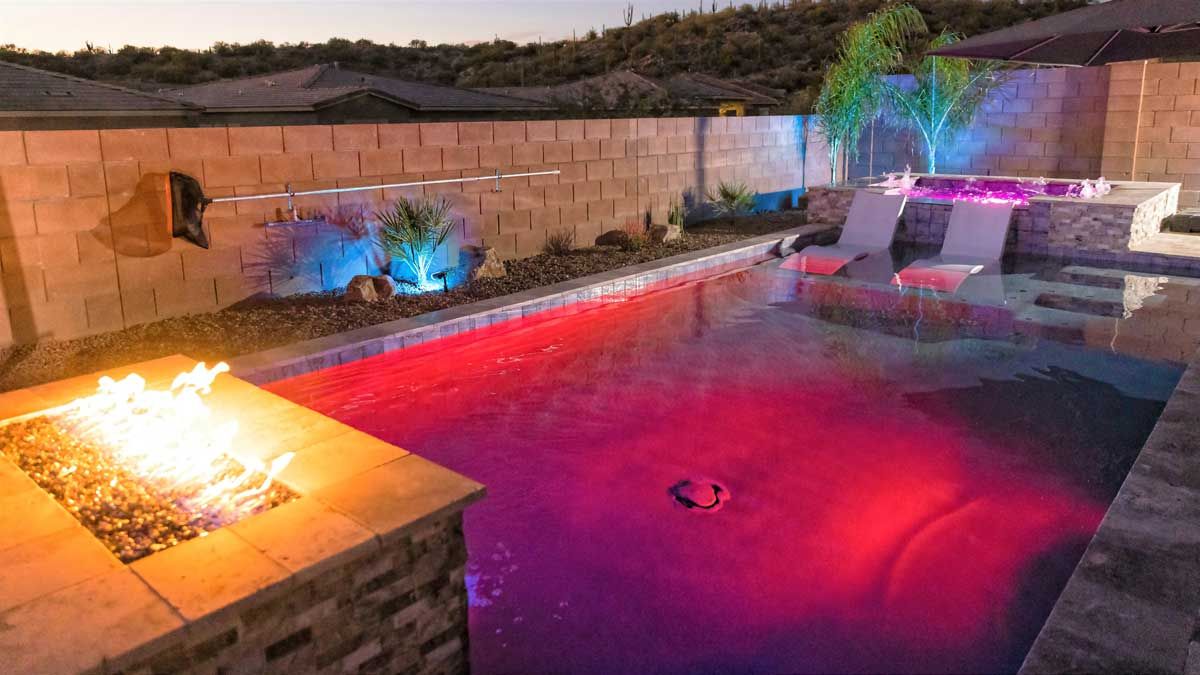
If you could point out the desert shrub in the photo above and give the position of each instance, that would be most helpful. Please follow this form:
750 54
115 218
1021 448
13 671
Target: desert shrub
732 199
636 240
560 242
677 213
412 231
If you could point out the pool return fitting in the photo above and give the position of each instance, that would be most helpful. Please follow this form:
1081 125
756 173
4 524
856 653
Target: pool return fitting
186 200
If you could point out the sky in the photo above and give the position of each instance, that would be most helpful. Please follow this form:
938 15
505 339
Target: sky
55 25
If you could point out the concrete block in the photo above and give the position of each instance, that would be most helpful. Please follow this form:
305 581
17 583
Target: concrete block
33 182
201 143
355 137
508 132
232 171
12 148
70 215
439 133
185 297
135 144
475 133
60 147
308 138
381 162
423 159
460 157
286 168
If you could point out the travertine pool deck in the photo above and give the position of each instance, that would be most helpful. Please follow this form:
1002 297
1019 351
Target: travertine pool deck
270 593
1133 603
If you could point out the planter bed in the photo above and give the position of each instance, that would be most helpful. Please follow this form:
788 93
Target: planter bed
258 325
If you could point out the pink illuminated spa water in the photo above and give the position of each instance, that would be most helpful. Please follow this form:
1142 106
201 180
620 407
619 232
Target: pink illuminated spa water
985 191
891 504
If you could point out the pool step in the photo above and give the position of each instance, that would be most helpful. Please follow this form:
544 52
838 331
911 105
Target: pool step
1186 221
1071 303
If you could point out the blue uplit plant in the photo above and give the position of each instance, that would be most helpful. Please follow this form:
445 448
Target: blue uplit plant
732 200
944 96
855 86
412 231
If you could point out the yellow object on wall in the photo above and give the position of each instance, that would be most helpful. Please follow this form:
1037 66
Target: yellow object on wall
736 109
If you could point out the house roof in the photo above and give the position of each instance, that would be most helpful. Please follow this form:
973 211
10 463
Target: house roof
321 85
31 90
615 89
698 86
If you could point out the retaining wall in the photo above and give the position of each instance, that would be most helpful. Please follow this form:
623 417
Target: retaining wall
84 246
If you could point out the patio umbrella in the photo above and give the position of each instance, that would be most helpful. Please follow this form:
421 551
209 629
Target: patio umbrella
1120 30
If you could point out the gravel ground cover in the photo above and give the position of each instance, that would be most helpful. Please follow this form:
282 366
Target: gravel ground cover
132 516
262 324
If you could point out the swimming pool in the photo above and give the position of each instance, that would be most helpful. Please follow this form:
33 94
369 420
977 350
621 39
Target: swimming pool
893 495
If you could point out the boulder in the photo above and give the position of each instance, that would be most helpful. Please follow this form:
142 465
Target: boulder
618 238
385 286
361 289
480 262
657 234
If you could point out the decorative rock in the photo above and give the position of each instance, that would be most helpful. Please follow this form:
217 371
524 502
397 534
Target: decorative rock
657 234
385 286
481 262
362 289
618 238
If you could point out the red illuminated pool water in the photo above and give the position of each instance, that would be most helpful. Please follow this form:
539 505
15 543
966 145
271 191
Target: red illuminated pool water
890 505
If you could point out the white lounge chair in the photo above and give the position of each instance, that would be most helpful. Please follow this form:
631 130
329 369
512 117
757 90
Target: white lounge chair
869 230
974 244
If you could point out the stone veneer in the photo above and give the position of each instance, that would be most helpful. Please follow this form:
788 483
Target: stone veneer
364 573
1058 226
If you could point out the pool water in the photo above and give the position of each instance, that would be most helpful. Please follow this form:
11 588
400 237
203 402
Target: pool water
887 503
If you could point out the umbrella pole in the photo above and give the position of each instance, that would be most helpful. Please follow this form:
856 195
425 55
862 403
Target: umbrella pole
1137 129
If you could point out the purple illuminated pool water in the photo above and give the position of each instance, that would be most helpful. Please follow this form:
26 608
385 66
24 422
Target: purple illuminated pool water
887 504
987 191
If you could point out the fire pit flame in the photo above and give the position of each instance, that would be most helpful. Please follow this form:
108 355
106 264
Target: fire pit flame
167 437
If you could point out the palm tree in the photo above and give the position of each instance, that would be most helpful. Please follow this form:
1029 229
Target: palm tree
855 87
944 95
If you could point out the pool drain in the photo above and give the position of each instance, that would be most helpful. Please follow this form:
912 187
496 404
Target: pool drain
699 495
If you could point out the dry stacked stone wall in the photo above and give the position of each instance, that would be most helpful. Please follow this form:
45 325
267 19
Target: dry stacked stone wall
401 608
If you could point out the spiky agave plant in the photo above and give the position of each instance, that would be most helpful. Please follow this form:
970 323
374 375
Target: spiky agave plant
855 89
731 199
944 95
412 231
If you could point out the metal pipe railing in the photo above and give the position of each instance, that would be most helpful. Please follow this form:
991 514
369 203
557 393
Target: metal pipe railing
358 188
292 194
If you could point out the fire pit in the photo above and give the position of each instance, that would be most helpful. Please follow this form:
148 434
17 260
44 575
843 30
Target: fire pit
141 532
144 469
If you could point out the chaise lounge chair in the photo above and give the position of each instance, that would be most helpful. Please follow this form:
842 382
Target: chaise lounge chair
869 230
974 244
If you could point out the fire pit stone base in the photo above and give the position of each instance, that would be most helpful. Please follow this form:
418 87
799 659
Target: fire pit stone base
364 572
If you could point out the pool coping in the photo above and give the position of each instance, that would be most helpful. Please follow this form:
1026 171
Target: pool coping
311 355
1133 601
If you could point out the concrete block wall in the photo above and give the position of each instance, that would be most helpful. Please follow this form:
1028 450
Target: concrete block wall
1166 134
1045 122
1070 123
84 242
